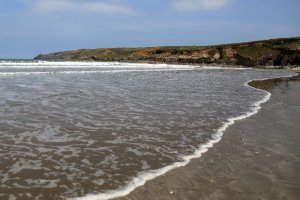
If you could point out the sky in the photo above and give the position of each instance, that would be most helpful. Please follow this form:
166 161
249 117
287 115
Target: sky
31 27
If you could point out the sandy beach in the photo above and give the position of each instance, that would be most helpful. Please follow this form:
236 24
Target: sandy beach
258 158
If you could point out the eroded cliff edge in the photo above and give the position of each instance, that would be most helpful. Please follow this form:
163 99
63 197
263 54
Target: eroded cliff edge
274 53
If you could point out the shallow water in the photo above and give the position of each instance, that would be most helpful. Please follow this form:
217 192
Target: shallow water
68 129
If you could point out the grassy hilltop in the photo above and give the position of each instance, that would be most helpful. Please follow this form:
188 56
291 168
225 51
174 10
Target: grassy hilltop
278 53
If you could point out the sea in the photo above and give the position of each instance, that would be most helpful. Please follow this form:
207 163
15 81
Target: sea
99 130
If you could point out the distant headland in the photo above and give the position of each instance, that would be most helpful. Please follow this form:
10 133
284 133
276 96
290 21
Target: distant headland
274 53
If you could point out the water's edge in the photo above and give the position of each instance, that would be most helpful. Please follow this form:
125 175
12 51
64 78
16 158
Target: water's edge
142 178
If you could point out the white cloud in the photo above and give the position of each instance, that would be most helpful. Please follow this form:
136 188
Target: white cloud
47 6
189 5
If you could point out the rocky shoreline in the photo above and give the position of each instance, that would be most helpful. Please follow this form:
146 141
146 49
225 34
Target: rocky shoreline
283 53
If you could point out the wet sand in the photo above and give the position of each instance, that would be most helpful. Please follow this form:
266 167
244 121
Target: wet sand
258 158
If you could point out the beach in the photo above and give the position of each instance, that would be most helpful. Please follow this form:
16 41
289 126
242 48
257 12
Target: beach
88 130
257 158
149 100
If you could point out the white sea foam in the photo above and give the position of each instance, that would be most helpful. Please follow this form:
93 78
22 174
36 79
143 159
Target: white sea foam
52 64
114 65
71 67
45 68
87 72
142 178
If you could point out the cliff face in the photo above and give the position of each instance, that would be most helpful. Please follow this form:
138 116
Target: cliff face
276 52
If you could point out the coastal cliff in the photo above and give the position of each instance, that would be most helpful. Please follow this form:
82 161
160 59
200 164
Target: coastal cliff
274 53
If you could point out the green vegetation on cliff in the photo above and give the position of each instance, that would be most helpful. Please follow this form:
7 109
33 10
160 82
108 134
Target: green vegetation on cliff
276 52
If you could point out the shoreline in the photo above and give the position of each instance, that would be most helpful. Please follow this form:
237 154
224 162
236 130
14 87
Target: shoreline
143 180
295 68
173 184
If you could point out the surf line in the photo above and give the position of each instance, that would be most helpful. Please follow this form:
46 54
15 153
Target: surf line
142 178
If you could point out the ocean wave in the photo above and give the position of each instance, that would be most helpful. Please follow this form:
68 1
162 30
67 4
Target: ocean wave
142 178
55 64
140 110
86 72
